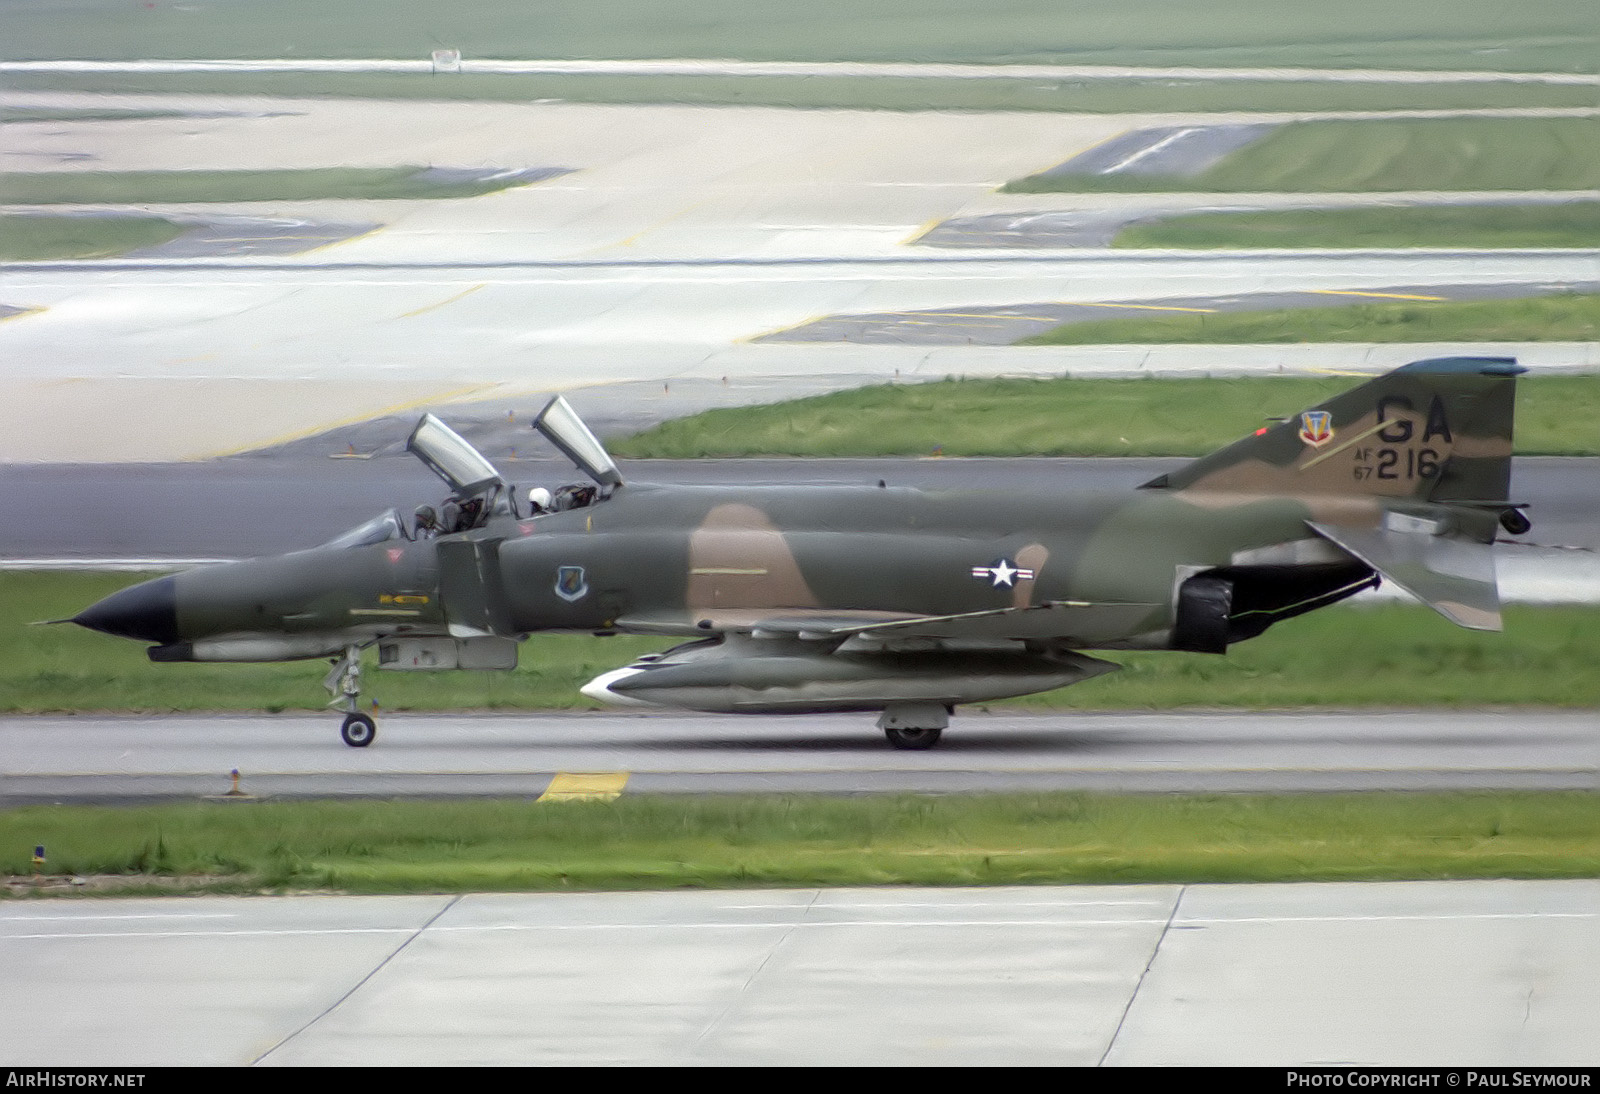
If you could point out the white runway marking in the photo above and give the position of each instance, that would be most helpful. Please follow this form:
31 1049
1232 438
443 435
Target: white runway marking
1129 161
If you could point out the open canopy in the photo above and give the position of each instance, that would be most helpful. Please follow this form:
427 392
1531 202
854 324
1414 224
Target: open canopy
561 424
450 457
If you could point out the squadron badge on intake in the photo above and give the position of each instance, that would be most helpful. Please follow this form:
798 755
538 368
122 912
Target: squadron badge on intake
570 583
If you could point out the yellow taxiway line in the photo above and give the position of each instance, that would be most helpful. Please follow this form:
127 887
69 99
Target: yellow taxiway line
442 303
1378 295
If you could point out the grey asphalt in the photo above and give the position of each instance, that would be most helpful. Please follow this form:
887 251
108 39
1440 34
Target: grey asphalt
241 236
214 235
90 758
1181 151
1437 975
1045 228
226 235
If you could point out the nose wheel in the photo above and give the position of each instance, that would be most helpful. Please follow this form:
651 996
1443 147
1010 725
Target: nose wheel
359 730
344 683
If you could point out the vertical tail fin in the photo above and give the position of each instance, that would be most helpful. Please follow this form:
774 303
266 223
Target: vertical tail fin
1435 430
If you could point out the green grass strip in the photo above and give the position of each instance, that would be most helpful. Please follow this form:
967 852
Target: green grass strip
1562 317
1380 155
1136 417
1387 655
1538 35
27 114
140 187
1097 96
1574 224
39 239
1397 654
658 842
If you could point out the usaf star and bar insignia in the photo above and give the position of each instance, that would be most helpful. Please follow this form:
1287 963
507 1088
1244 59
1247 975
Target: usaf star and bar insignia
1002 573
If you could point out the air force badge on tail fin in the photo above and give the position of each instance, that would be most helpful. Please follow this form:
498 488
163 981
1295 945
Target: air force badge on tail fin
1316 427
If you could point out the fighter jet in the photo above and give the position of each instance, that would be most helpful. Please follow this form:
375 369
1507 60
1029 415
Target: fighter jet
799 599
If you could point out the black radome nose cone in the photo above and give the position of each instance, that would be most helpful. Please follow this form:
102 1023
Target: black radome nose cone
147 611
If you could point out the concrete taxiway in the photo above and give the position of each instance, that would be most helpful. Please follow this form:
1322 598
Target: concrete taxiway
1490 973
131 758
153 363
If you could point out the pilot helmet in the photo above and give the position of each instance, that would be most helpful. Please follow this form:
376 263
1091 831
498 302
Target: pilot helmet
539 499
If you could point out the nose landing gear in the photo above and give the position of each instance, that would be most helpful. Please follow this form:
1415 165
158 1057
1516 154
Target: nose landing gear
358 730
344 683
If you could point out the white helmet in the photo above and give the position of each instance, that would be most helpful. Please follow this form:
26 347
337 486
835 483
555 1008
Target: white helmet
538 499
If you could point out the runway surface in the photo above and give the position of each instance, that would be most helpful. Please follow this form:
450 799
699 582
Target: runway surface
1437 974
96 758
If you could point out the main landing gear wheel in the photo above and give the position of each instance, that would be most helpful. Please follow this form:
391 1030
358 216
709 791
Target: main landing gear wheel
913 738
914 725
344 684
359 730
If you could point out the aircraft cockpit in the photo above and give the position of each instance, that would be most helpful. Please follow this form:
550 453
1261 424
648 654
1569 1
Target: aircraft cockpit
380 529
576 495
478 491
391 527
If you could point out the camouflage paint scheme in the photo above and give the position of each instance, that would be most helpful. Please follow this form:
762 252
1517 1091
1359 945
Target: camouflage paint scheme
909 602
